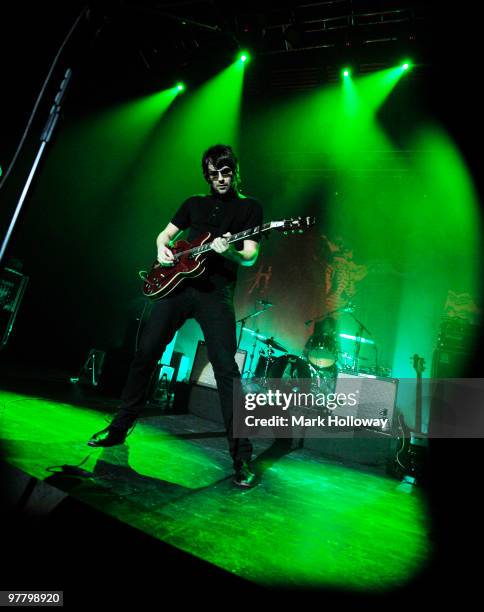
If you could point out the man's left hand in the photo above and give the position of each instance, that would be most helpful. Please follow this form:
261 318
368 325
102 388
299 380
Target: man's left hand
221 244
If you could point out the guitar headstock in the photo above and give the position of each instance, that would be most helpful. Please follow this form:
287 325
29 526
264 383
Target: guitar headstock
294 225
418 364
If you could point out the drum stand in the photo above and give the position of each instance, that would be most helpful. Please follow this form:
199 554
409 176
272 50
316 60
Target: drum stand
268 354
248 373
242 321
358 338
249 316
357 349
269 360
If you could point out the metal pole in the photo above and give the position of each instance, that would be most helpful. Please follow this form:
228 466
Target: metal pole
45 137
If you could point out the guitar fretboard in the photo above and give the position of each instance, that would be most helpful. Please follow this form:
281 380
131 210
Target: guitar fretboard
253 231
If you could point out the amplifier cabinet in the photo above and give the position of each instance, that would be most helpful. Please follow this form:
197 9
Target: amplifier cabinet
202 371
376 397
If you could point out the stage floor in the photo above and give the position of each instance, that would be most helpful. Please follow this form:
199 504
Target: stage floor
310 522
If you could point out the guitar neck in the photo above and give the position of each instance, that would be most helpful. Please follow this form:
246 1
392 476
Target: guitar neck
419 367
418 405
253 231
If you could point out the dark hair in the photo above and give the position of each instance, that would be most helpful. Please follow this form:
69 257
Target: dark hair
221 155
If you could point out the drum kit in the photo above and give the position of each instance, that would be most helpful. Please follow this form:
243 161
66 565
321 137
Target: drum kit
315 369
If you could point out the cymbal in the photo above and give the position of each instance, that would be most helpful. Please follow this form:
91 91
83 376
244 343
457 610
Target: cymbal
254 333
355 338
265 340
271 342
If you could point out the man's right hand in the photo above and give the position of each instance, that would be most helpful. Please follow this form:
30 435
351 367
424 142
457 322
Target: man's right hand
165 256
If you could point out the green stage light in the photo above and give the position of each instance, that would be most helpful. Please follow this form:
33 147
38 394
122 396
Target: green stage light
405 65
180 86
346 72
244 56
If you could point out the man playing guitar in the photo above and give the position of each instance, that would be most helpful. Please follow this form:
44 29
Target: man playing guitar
208 299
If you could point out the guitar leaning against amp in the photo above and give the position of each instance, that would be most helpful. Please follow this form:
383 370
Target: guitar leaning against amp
411 455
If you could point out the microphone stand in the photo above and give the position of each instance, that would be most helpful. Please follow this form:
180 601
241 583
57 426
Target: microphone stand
359 333
44 139
244 319
327 314
242 322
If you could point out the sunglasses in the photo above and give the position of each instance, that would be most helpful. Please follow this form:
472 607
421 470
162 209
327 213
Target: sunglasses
225 172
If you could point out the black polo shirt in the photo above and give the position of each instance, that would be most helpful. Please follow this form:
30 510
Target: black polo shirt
219 214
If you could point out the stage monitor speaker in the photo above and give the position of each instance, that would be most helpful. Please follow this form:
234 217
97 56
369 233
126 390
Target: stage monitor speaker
202 371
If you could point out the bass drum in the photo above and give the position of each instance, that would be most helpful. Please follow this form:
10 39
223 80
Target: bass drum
293 372
321 349
321 357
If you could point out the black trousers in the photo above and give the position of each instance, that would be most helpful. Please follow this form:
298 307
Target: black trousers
213 310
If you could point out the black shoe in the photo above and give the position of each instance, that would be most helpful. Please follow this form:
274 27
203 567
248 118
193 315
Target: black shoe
244 477
111 436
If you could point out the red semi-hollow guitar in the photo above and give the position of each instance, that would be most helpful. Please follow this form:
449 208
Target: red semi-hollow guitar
190 257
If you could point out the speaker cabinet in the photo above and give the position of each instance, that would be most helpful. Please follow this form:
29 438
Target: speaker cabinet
376 397
449 364
374 447
12 289
202 371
